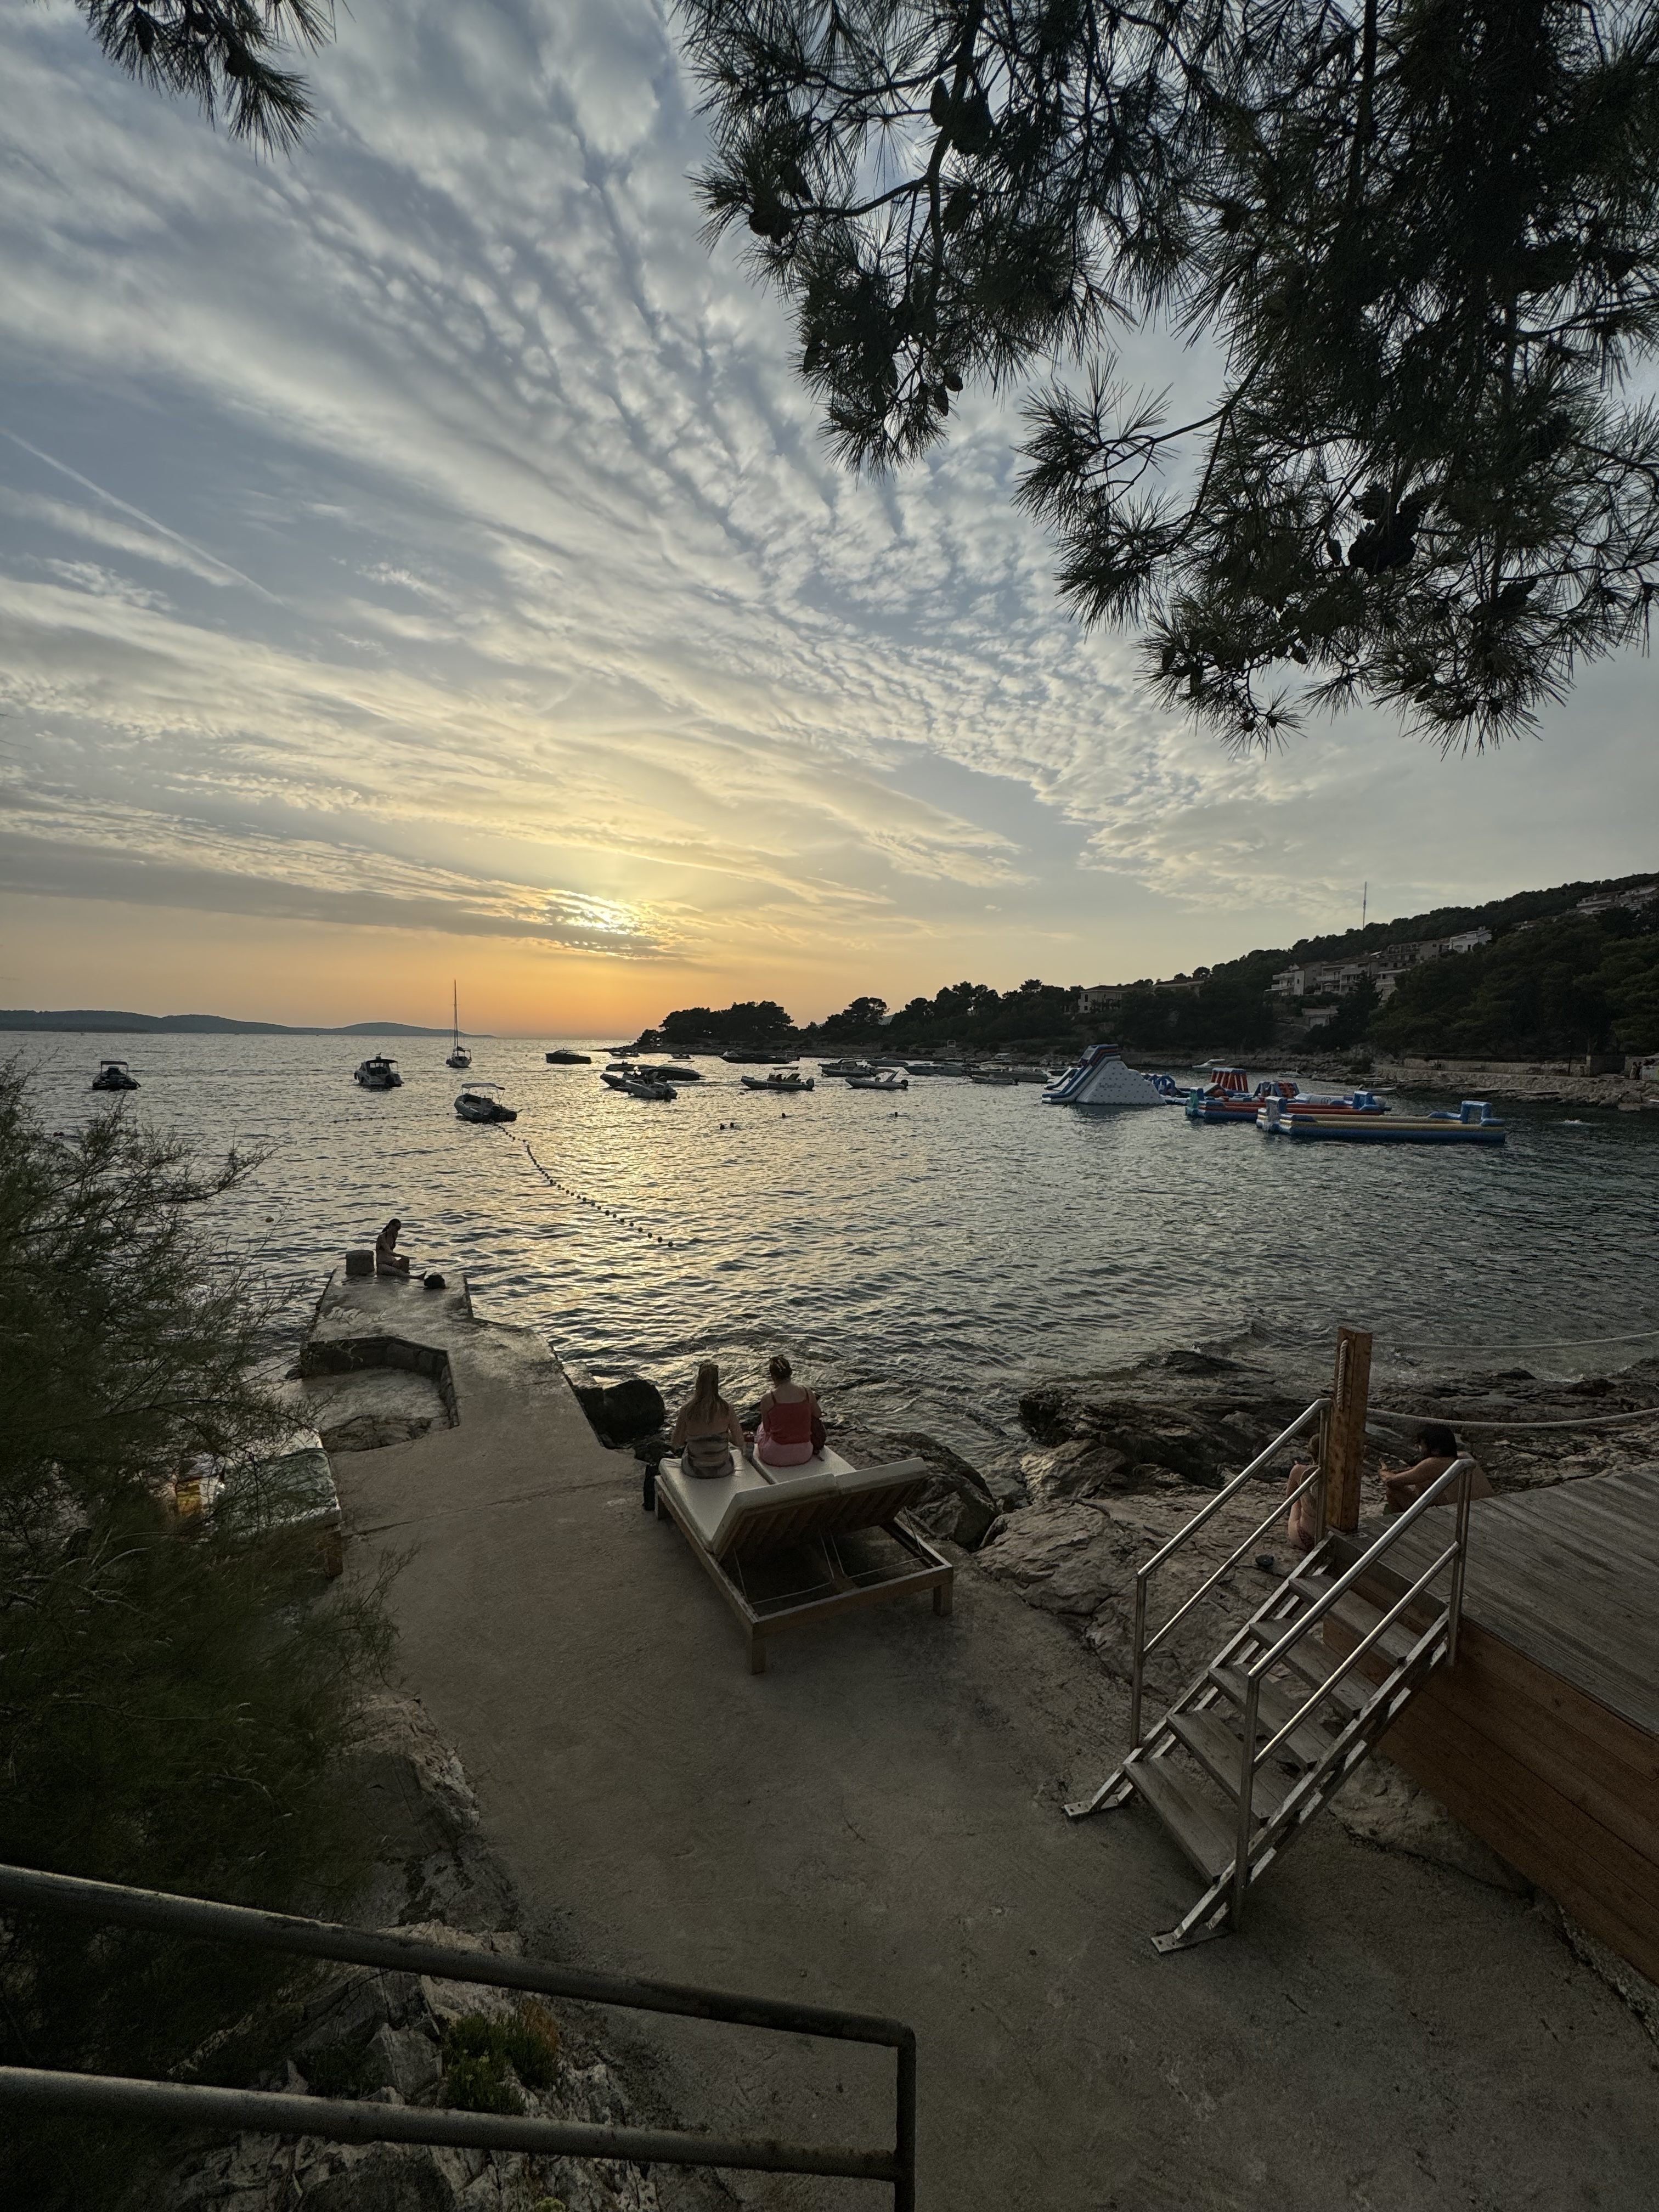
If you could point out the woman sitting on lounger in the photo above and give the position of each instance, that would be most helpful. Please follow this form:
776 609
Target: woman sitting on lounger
785 1437
707 1428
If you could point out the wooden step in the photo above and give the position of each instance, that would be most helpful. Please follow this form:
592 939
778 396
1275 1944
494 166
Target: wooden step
1358 1618
1202 1830
1316 1665
1220 1753
1275 1706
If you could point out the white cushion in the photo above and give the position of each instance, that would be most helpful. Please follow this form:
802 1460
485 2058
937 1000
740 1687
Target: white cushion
801 1483
715 1504
877 1478
704 1499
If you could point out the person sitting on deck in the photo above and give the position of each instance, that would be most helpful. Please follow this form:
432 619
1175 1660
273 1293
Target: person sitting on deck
388 1259
1404 1486
707 1428
791 1427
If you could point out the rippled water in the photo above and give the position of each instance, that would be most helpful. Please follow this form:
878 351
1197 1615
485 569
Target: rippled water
923 1256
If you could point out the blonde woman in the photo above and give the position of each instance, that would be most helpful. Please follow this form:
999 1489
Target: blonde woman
707 1430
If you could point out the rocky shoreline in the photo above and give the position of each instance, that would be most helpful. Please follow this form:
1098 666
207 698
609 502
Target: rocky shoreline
1539 1082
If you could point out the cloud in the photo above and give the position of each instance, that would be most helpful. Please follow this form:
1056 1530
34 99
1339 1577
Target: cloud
440 506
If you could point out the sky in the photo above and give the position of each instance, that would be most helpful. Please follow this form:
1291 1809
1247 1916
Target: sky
419 562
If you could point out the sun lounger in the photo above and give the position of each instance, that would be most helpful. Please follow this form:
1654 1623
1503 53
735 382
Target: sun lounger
744 1527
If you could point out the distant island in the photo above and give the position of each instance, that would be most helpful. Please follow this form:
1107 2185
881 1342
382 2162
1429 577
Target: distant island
108 1022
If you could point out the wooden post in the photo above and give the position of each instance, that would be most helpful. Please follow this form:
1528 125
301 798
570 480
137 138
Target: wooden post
1345 1428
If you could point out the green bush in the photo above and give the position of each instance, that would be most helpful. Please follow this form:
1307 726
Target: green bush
478 2051
172 1703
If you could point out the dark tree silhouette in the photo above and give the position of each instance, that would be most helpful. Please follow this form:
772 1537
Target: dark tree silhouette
223 53
1422 235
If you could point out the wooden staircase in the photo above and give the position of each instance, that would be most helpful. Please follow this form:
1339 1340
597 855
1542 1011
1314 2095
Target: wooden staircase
1292 1702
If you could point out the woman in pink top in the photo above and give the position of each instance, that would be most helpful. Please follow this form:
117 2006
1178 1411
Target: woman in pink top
788 1415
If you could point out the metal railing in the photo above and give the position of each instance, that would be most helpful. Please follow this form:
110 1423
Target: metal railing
1252 1756
1144 1644
267 2112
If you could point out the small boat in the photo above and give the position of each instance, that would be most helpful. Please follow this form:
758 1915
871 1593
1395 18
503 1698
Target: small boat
794 1081
874 1082
1475 1123
637 1082
378 1073
563 1059
459 1055
1100 1078
936 1066
668 1071
114 1075
747 1056
846 1068
478 1102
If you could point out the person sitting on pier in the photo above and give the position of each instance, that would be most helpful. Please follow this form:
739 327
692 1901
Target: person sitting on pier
707 1428
1404 1486
388 1259
791 1426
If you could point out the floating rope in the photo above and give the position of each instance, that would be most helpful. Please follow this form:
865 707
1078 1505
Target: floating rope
1452 1421
1543 1344
611 1212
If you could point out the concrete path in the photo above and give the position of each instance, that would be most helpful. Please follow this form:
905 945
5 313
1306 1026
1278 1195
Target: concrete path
875 1823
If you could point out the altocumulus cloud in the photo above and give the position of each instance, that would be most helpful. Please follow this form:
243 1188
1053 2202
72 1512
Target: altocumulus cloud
427 531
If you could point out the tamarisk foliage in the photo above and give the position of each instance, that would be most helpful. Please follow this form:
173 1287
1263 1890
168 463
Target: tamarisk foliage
1421 238
222 53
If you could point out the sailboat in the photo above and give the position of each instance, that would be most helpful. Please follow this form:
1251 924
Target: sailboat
459 1055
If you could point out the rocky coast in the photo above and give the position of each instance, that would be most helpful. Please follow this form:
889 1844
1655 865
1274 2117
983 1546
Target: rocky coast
1539 1083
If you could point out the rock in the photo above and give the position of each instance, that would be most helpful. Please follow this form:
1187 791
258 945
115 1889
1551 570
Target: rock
958 1503
619 1411
359 1263
404 2060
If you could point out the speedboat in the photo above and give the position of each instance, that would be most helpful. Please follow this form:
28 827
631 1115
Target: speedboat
458 1055
1475 1123
668 1071
887 1081
478 1102
936 1066
378 1073
742 1055
847 1067
114 1075
794 1081
637 1082
1100 1078
563 1059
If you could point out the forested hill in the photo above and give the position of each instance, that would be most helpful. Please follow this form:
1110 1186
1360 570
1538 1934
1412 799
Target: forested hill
111 1022
1553 981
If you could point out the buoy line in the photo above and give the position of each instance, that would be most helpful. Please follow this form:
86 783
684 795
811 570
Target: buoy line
610 1213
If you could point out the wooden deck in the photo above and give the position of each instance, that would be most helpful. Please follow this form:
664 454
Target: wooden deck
1545 1739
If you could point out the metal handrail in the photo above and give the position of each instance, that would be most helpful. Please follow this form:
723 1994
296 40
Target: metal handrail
1184 1535
269 2112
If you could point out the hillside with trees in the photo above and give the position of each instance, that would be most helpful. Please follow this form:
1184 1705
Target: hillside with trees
1553 981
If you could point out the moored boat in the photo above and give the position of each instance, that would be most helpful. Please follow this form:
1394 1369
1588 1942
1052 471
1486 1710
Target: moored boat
792 1082
563 1059
1475 1123
478 1102
457 1055
669 1071
378 1073
846 1068
114 1075
887 1081
1100 1078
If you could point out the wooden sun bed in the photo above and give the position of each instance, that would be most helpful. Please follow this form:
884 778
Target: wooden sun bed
741 1526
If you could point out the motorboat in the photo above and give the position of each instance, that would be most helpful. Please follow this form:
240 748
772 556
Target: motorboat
478 1102
378 1073
936 1066
669 1071
459 1055
1003 1075
794 1081
563 1059
1228 1097
637 1082
1100 1078
114 1075
1475 1123
887 1081
846 1068
748 1056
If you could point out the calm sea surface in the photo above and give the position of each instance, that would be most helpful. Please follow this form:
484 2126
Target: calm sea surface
921 1264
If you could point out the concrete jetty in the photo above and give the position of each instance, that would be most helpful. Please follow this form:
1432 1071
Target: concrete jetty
876 1823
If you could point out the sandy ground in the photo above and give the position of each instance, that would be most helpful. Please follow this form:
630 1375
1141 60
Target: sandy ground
876 1823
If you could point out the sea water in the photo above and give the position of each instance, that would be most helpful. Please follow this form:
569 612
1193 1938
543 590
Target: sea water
922 1258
